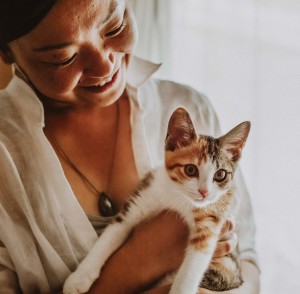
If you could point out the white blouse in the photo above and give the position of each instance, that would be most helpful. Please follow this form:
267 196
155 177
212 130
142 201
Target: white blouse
44 233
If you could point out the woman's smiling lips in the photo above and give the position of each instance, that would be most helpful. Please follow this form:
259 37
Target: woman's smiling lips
103 86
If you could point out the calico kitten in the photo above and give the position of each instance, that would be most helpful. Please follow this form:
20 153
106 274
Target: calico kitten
196 181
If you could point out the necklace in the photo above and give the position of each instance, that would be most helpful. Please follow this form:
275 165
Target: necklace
105 205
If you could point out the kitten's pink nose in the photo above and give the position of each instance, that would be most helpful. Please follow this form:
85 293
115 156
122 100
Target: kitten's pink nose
203 192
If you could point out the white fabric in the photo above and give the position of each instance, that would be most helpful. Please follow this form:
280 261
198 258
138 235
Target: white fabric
44 233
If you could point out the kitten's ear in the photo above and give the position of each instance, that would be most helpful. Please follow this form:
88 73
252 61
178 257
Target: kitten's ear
235 140
181 131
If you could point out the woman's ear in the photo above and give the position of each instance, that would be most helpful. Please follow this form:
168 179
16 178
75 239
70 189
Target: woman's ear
6 55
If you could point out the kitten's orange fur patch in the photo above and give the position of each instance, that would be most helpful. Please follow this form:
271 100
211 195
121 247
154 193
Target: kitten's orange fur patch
176 160
206 224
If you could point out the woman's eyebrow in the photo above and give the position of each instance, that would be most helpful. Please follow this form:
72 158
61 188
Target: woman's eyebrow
113 8
53 47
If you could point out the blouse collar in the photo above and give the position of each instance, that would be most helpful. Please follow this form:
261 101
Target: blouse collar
140 71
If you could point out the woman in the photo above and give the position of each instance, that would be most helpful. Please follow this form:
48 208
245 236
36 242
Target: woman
81 122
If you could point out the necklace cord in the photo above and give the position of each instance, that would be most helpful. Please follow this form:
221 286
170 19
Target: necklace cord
87 182
72 165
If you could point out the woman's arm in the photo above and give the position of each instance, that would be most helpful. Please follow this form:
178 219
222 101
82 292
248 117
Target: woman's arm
154 249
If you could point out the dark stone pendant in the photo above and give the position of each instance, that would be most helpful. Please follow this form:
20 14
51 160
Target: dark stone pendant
106 206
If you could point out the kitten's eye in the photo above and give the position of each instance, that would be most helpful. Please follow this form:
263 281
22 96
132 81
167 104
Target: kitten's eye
220 175
191 170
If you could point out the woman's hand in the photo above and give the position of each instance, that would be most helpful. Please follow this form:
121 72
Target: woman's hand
227 240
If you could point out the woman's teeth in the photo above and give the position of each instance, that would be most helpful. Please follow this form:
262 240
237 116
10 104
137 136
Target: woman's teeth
104 82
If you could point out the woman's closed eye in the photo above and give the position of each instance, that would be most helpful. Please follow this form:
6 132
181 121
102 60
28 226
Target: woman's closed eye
64 62
117 30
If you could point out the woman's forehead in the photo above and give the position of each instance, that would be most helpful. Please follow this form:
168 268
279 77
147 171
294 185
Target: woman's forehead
69 18
72 12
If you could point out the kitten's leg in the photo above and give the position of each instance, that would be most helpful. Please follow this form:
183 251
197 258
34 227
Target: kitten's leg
189 275
200 249
89 269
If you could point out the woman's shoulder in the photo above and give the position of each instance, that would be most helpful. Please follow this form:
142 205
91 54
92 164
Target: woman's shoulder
170 95
170 88
7 125
20 107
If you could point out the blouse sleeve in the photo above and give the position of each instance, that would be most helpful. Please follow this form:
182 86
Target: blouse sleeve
244 219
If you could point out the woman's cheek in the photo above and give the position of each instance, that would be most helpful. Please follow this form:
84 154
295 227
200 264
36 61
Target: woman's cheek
57 81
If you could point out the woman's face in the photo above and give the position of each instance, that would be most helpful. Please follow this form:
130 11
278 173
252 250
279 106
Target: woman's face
77 54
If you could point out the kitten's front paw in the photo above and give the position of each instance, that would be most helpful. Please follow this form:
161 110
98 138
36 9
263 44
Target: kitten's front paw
79 282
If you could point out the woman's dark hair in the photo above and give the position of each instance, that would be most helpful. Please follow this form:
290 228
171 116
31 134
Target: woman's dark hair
19 17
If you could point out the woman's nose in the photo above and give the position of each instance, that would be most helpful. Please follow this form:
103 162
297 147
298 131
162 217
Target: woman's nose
99 63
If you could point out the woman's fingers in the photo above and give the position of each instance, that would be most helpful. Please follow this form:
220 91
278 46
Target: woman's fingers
226 246
227 229
227 239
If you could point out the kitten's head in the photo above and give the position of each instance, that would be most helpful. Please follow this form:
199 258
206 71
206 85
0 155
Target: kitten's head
202 165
